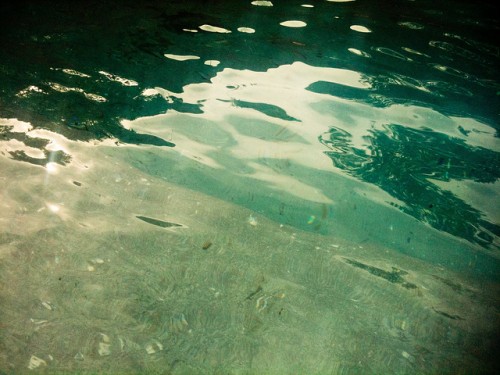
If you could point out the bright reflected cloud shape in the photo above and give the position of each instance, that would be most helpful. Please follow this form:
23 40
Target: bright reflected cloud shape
212 62
293 23
123 81
262 3
358 52
181 57
75 73
60 88
214 29
248 30
360 29
29 90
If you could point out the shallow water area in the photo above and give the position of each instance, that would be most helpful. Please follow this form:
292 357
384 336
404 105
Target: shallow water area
93 288
210 188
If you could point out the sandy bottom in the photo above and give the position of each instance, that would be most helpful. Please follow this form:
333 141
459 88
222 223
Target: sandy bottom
105 269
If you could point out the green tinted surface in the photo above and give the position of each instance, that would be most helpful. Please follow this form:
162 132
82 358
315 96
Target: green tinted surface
196 187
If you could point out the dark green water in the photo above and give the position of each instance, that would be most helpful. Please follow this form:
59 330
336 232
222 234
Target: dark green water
331 181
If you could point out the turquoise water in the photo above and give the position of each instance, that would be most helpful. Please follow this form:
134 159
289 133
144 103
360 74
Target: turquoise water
249 187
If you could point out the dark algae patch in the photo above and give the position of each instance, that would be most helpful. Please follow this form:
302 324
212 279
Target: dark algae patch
395 276
159 223
449 316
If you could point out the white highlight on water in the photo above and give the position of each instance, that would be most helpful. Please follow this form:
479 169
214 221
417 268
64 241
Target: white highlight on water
181 57
293 23
360 29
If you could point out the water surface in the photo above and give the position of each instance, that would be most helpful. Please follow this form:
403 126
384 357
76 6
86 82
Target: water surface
249 187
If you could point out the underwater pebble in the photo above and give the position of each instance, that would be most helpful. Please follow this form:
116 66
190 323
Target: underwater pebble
93 262
79 356
178 323
215 292
122 343
154 347
105 338
252 221
38 321
407 355
261 303
47 305
36 362
104 349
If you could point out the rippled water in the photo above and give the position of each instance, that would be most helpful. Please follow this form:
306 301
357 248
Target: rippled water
249 187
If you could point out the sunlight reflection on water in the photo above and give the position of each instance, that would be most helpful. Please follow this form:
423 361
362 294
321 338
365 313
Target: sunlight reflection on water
209 188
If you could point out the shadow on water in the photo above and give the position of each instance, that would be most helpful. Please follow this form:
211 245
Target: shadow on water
404 162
